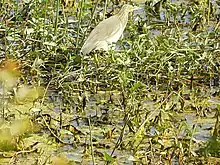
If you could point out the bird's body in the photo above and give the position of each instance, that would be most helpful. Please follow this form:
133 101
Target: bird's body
107 31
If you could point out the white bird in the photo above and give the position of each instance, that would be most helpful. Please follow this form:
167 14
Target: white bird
107 31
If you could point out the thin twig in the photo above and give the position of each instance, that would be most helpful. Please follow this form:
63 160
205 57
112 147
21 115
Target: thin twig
79 23
105 8
57 14
90 138
90 22
48 127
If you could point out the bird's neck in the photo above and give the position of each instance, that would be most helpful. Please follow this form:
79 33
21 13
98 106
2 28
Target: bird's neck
123 16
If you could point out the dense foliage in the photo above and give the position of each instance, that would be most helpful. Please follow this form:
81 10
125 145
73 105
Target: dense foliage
152 100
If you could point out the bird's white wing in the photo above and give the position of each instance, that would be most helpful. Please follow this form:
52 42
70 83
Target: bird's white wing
104 30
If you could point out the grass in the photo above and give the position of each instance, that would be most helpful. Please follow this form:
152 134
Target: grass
126 105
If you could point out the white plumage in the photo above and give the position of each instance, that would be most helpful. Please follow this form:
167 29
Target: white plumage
107 31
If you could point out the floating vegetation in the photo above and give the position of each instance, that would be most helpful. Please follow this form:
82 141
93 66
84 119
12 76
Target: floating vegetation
153 98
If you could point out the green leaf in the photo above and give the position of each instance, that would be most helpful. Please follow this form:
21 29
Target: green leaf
108 157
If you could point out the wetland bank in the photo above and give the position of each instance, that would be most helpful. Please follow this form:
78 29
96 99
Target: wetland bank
155 99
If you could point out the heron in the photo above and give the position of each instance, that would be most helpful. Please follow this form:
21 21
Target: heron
108 31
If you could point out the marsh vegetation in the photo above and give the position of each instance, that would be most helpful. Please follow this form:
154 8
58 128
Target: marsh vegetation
154 99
